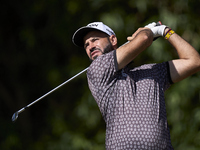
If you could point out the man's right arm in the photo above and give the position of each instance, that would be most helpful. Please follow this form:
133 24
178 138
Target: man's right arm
139 41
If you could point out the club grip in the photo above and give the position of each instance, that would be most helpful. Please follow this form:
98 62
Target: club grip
157 24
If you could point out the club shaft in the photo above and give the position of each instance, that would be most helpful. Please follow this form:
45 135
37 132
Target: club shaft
21 110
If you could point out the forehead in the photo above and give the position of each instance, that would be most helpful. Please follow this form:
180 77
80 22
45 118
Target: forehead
93 34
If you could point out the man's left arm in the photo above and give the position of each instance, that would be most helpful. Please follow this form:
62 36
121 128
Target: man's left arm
189 59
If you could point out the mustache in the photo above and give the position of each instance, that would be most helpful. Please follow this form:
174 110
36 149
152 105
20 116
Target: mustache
107 49
92 50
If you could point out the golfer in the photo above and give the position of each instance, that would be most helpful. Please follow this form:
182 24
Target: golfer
131 99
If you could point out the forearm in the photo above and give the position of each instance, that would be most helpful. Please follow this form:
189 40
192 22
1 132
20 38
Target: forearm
189 59
139 41
183 48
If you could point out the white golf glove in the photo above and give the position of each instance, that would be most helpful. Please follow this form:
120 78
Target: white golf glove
157 30
151 25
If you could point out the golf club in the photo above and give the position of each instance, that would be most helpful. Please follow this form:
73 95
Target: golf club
16 114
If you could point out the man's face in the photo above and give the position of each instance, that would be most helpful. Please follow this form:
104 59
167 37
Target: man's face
97 43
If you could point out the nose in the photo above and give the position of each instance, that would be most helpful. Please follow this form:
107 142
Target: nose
91 47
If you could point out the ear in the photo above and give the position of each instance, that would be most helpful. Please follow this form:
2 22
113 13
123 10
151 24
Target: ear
113 40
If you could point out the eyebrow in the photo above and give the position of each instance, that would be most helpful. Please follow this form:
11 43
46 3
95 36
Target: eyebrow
92 38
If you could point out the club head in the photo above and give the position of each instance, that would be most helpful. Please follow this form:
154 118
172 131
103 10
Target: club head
15 116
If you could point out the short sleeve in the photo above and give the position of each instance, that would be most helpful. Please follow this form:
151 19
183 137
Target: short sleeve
102 69
101 77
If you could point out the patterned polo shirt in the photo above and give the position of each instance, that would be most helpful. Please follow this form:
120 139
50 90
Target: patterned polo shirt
132 103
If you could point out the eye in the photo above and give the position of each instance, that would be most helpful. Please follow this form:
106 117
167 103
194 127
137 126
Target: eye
94 39
91 41
86 45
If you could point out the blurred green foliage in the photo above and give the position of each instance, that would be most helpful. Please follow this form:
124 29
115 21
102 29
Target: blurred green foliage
36 55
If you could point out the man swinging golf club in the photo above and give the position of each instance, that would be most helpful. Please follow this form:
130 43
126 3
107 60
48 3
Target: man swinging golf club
131 100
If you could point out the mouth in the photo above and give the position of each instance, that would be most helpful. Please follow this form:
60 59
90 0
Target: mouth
94 53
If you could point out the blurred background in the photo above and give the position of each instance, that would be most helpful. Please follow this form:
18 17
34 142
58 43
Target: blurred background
37 54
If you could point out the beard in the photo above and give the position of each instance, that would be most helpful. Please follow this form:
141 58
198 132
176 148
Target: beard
107 49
